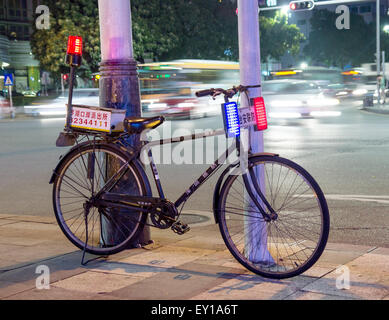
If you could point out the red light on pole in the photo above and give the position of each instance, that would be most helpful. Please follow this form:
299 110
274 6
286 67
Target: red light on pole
75 45
73 58
292 6
74 51
260 113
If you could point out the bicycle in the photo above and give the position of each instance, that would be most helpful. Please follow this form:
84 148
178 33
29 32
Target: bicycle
272 215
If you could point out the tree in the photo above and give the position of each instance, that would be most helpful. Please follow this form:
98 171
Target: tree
154 28
205 30
209 30
164 30
73 17
339 47
278 37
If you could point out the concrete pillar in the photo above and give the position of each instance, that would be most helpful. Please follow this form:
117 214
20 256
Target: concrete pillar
250 74
119 84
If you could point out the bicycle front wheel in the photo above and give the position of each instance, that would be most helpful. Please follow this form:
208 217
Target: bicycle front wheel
291 243
80 176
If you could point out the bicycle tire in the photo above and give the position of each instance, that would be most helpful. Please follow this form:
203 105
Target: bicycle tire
110 230
292 243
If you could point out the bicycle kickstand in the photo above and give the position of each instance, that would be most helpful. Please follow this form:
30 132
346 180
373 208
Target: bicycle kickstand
83 262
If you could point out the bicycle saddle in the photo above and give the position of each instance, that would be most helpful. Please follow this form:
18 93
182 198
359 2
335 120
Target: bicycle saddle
138 124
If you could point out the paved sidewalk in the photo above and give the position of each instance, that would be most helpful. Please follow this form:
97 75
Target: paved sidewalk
194 266
377 108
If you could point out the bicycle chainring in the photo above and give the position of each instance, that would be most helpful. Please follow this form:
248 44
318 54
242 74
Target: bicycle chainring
163 215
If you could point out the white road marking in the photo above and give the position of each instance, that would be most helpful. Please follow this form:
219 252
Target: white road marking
356 197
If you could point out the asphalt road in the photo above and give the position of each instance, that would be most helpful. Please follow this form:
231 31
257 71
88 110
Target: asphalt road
348 156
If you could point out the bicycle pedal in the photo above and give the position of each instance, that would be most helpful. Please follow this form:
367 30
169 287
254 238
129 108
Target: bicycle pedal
180 228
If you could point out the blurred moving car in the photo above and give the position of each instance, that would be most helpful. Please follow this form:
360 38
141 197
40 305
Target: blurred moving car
168 88
57 106
297 99
173 105
29 93
5 107
345 91
180 107
182 104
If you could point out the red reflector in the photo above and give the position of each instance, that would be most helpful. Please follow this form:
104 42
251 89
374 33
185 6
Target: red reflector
74 45
260 113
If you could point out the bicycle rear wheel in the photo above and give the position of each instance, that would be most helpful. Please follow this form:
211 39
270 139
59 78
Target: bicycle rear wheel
81 174
288 245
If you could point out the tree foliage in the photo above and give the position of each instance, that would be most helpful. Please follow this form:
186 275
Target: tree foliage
163 30
339 47
205 30
72 17
278 37
154 28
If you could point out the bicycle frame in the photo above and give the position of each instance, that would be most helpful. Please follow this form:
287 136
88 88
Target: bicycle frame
104 197
139 201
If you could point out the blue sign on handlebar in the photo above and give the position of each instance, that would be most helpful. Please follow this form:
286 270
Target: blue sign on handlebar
231 119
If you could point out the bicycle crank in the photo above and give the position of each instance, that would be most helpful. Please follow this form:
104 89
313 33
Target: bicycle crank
164 214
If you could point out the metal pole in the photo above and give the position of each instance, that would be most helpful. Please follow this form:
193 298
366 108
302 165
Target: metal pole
320 3
378 37
11 102
249 58
70 97
250 74
62 85
119 84
383 77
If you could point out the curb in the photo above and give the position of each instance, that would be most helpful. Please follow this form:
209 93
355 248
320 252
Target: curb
376 110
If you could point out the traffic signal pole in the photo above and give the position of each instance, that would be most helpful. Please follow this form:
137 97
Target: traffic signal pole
316 4
119 84
250 74
378 43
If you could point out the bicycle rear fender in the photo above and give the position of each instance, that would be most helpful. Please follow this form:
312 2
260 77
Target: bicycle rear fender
216 193
129 151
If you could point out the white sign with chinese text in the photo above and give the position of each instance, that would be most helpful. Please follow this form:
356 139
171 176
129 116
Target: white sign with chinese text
247 117
91 119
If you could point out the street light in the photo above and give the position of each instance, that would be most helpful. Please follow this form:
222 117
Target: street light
284 10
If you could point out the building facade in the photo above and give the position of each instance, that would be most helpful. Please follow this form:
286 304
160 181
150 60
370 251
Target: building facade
16 21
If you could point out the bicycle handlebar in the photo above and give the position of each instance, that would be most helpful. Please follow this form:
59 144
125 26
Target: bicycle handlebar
229 92
203 93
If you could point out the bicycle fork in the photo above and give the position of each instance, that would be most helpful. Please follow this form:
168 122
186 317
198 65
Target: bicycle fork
253 184
266 216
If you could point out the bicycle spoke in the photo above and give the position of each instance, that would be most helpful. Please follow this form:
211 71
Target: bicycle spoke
85 172
280 247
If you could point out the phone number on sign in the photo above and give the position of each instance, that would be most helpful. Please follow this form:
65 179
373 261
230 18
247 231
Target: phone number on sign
91 119
91 123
